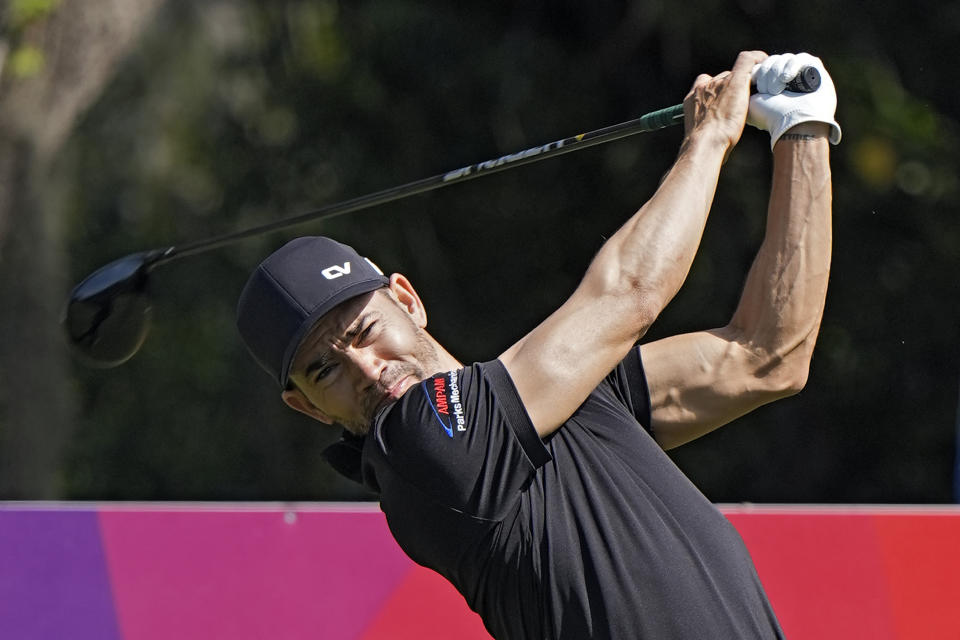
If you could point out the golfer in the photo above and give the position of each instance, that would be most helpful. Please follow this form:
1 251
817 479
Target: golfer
536 482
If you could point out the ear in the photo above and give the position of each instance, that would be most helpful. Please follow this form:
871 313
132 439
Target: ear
296 400
407 296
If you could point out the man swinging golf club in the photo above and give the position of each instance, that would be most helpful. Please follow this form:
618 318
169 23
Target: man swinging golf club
536 482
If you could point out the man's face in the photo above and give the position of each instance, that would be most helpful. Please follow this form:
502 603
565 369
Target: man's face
359 357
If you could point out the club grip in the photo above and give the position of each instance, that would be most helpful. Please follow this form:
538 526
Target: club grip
807 81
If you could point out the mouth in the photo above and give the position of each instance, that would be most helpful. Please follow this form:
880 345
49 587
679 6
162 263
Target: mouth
393 393
400 387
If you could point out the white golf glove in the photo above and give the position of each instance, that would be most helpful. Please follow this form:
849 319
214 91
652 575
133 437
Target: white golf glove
775 110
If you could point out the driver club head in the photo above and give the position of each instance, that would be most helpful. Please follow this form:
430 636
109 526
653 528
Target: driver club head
107 316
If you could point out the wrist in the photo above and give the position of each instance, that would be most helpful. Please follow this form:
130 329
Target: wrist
706 141
808 130
804 132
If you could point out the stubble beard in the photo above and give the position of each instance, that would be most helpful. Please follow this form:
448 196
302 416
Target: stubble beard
426 363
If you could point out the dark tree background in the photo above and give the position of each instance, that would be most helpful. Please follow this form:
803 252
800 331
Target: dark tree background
227 114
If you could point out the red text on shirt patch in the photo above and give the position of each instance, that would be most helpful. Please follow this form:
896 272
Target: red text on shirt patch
440 393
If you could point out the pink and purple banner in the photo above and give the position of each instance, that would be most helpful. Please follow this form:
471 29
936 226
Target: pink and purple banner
268 571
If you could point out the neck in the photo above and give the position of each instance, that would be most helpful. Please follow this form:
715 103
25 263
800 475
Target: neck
445 361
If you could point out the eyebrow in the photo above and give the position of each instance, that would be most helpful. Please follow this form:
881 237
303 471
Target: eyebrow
348 336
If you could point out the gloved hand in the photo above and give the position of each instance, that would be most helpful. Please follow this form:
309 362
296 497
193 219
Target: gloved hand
775 110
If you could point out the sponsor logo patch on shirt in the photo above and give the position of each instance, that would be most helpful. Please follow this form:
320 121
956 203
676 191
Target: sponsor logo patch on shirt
443 393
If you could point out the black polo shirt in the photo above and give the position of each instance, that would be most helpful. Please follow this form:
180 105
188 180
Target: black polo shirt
591 533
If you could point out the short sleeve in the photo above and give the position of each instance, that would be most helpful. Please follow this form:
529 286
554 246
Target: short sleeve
629 382
461 437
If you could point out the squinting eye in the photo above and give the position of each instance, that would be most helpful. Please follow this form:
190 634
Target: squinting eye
323 372
365 334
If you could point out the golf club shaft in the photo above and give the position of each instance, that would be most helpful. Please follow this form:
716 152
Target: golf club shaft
806 81
648 122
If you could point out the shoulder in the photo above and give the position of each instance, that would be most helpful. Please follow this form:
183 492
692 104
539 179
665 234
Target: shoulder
434 408
452 406
455 431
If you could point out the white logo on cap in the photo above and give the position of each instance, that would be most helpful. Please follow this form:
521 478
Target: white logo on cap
376 268
335 271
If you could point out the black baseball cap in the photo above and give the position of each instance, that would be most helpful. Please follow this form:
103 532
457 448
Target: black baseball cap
292 289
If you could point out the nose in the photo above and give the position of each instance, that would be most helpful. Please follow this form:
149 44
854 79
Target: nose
368 367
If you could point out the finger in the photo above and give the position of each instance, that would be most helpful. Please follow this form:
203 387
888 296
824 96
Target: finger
769 76
701 81
778 75
745 63
807 59
760 71
792 68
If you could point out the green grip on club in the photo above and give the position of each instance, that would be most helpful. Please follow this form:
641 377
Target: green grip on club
662 118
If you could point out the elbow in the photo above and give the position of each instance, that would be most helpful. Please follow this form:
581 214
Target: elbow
624 296
797 361
777 383
778 368
642 306
779 360
785 376
795 379
645 308
640 299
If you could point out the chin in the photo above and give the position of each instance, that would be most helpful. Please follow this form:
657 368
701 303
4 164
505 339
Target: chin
355 428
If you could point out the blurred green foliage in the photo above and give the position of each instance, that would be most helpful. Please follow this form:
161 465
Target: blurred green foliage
20 13
235 113
26 59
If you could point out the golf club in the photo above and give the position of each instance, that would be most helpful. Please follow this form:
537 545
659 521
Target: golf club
107 315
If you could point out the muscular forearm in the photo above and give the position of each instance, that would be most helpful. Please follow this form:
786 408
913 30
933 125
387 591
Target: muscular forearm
649 256
782 303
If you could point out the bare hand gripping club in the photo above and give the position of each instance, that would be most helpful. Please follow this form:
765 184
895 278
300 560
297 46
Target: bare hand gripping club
107 315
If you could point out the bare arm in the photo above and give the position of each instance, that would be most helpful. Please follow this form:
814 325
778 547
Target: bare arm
638 270
701 381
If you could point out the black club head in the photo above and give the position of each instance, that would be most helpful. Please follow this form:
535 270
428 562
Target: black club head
107 316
